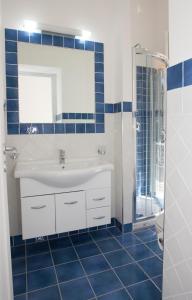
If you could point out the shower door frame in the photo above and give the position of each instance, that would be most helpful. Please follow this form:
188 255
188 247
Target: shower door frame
136 50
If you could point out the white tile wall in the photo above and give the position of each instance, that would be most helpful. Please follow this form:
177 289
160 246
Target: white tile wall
177 274
128 167
76 146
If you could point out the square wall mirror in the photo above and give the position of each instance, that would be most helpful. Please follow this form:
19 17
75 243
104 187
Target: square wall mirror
54 84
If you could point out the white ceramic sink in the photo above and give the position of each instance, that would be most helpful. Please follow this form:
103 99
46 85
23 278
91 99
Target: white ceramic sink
73 173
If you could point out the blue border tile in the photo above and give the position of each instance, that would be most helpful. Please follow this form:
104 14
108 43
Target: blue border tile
47 39
48 128
69 42
80 128
89 45
12 37
99 47
188 72
35 38
70 127
79 44
174 76
11 34
10 46
11 70
58 41
23 36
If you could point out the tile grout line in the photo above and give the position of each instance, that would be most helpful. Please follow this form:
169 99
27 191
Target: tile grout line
140 267
137 262
55 271
108 252
112 267
83 270
113 270
103 254
26 272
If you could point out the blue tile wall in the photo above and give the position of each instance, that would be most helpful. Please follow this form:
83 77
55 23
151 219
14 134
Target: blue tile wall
143 136
13 36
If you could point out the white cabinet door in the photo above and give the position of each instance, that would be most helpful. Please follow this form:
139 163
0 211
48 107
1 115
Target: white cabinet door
98 198
38 216
98 216
70 211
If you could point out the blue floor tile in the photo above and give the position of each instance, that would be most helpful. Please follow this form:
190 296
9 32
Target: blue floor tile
87 250
51 293
39 261
104 282
144 291
18 266
37 248
128 239
118 295
100 234
158 281
95 264
64 255
18 252
20 297
42 284
118 258
154 246
108 245
19 284
69 271
115 231
81 239
152 266
41 279
60 243
139 252
146 235
130 274
76 290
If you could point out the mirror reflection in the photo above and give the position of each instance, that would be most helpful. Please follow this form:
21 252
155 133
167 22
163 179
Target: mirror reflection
54 81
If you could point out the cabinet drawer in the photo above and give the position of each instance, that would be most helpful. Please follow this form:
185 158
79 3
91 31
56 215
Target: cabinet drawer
38 216
70 211
98 198
98 216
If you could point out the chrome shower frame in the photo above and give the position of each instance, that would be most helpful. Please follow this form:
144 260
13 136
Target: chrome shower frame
138 50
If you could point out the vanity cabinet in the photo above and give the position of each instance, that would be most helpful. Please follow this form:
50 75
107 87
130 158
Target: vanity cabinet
48 210
38 217
70 211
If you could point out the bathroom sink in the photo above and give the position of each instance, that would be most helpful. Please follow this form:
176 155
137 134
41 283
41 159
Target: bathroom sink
72 173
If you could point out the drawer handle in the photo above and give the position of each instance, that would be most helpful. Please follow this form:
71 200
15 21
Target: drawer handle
38 207
99 199
99 218
71 203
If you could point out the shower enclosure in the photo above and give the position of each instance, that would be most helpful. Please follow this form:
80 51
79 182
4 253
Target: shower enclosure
149 132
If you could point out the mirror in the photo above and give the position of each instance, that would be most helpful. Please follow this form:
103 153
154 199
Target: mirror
55 82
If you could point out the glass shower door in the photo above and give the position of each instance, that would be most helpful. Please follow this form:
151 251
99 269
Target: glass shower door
150 136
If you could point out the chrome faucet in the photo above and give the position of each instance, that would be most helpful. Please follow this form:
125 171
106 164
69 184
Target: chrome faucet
62 157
